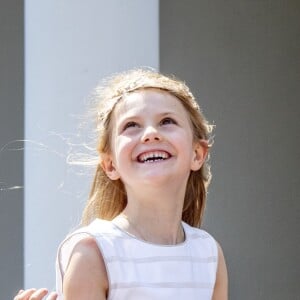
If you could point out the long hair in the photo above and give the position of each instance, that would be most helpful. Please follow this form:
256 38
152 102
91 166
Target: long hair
108 197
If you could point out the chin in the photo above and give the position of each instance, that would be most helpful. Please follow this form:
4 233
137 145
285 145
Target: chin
155 180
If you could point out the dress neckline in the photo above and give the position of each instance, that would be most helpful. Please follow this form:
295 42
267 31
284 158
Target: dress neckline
125 232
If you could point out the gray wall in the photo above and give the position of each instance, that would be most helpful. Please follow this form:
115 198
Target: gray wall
11 162
241 58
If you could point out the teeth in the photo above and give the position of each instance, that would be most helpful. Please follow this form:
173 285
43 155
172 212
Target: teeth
153 156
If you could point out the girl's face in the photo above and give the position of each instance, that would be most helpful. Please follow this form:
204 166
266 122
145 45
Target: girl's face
152 141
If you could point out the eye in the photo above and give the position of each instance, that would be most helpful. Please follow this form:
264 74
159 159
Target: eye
167 121
130 124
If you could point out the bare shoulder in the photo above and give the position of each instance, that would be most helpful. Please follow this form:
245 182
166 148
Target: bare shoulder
86 276
221 285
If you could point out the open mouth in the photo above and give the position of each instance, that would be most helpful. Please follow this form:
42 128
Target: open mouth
154 156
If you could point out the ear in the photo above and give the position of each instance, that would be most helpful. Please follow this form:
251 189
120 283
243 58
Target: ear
200 149
108 167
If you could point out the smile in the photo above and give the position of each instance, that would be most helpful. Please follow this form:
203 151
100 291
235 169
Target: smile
153 156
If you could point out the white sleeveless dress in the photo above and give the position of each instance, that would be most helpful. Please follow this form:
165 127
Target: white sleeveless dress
140 270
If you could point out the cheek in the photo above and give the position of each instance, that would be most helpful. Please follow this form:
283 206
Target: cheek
123 147
124 142
184 138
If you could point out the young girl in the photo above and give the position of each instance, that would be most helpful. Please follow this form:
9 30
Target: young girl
140 237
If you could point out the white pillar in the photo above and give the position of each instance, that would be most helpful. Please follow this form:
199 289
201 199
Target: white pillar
69 47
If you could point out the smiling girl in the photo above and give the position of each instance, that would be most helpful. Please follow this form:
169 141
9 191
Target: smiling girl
140 237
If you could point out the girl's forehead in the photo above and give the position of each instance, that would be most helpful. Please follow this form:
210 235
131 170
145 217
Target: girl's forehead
149 99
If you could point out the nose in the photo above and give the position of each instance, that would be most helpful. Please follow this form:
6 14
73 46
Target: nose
151 134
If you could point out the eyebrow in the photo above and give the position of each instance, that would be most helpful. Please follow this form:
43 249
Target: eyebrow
160 115
167 113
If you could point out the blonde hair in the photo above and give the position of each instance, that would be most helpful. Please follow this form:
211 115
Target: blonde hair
108 198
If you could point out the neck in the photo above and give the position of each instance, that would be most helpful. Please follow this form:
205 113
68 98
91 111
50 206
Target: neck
155 218
149 232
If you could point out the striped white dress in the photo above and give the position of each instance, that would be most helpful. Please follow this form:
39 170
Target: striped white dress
140 270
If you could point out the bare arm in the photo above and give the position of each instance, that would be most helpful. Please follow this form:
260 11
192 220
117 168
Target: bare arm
221 285
86 276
